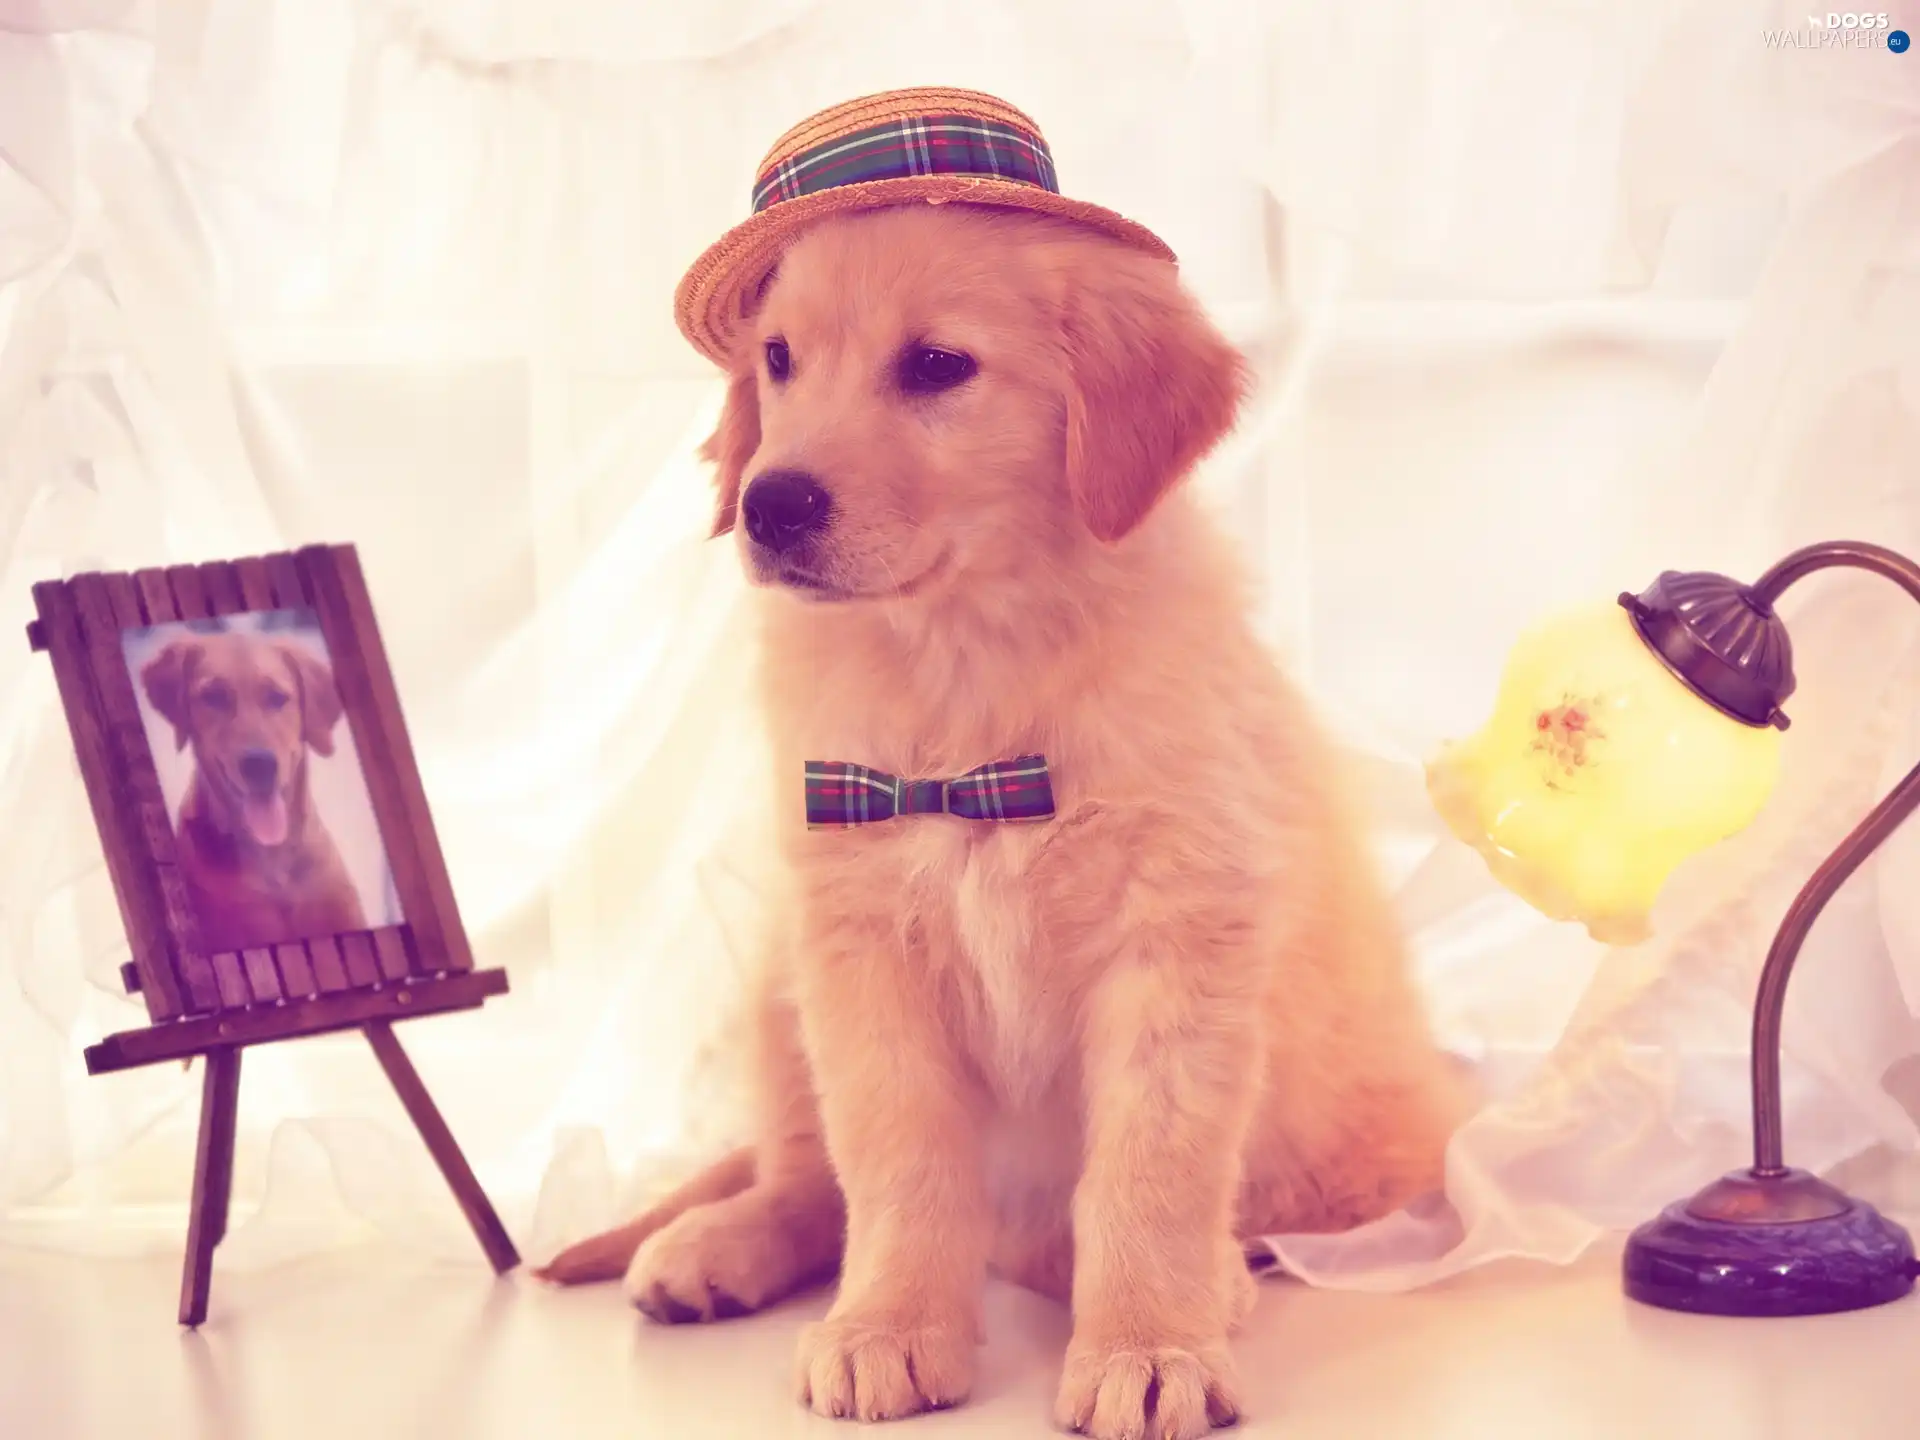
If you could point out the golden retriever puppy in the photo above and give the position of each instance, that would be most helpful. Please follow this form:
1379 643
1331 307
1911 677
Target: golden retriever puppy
1097 1052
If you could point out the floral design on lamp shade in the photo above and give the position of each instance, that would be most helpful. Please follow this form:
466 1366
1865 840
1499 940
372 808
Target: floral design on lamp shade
1568 737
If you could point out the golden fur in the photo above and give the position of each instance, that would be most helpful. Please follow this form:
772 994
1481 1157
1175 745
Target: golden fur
1094 1053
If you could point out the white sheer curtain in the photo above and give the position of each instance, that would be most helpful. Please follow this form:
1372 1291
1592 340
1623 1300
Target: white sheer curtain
1547 297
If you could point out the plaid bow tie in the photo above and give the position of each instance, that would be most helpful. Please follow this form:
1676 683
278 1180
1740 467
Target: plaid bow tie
840 796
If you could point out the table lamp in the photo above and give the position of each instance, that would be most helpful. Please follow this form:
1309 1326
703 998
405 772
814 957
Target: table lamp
1623 739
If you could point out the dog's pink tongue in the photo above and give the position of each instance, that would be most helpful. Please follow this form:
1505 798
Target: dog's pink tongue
266 819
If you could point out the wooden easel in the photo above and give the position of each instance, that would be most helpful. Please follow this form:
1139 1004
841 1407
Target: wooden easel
215 1005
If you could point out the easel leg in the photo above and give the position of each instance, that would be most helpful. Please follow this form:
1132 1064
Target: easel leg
212 1180
445 1150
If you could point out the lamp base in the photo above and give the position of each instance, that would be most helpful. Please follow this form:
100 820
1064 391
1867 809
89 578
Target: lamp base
1769 1244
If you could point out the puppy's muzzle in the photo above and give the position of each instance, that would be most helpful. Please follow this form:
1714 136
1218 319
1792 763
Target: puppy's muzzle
784 507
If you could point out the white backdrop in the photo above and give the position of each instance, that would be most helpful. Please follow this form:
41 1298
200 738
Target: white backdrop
1546 296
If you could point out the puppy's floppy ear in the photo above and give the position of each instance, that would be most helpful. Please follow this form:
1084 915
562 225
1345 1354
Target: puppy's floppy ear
1152 385
165 678
732 444
320 707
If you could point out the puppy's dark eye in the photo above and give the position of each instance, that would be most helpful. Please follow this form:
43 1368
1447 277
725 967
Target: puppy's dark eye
779 361
216 697
273 699
925 370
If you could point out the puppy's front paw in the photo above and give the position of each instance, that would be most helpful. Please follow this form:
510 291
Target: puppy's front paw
1129 1393
857 1369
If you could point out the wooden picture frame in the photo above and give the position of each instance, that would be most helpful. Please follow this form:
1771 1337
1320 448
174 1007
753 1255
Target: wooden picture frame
277 970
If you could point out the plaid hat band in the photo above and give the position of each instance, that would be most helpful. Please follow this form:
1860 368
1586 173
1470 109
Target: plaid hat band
958 145
840 796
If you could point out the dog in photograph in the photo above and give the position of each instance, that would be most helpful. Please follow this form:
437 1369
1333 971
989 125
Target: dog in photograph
1096 1053
259 864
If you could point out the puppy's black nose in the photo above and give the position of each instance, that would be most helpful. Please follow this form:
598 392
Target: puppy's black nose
783 506
259 769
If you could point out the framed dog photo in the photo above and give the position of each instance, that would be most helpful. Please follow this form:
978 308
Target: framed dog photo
272 819
268 838
242 743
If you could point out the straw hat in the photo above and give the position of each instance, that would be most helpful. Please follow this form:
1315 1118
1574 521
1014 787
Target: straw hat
904 147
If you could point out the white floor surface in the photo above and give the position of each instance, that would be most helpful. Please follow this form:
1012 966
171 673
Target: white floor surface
366 1344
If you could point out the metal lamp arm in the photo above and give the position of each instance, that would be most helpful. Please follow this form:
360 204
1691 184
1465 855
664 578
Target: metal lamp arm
1770 1001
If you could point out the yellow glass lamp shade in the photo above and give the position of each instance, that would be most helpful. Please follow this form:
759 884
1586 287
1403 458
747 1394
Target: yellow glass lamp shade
1599 771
